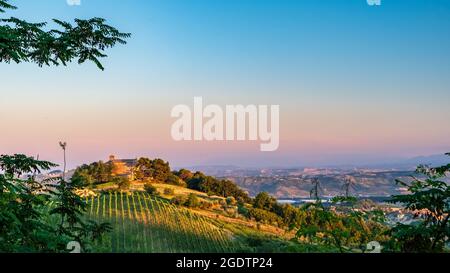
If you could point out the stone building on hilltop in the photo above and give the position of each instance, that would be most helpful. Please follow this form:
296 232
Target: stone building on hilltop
122 167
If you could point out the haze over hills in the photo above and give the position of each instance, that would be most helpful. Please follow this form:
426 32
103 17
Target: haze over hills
372 180
407 164
298 184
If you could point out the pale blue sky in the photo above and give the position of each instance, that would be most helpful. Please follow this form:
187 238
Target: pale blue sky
353 81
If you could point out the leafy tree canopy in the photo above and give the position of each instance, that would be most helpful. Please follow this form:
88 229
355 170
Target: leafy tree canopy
84 40
30 209
429 200
225 188
156 169
97 172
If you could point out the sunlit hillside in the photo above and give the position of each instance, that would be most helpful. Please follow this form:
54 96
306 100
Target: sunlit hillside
142 223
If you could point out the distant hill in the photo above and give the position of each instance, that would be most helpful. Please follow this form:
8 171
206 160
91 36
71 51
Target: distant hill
432 160
368 183
372 180
399 164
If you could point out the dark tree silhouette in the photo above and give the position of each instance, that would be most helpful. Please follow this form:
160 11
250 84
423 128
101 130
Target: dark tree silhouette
85 40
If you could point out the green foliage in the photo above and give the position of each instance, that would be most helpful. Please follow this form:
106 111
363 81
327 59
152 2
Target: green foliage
94 173
322 226
83 176
224 188
192 201
243 210
4 5
161 170
147 224
264 201
184 174
24 216
70 209
264 216
150 189
429 200
122 182
341 226
157 169
289 215
169 191
205 205
85 40
22 201
178 200
268 244
172 179
231 201
26 223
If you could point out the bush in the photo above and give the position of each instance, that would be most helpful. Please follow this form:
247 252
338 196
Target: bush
231 201
243 210
192 201
178 200
169 191
264 201
206 205
231 212
122 182
430 232
184 174
212 185
175 180
95 173
150 189
156 169
264 216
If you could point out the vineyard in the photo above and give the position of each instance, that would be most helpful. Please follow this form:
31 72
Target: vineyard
146 224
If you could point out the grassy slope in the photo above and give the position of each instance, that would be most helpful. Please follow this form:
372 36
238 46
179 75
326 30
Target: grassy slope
147 224
142 223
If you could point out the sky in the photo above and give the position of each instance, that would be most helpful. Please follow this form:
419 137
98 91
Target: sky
355 83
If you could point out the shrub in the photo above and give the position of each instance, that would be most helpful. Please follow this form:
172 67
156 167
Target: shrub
212 185
430 232
169 191
243 210
264 201
175 180
150 189
264 216
231 201
192 201
206 205
184 174
122 182
95 173
178 200
156 169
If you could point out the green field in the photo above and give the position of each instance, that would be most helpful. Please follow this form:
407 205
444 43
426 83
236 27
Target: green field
146 224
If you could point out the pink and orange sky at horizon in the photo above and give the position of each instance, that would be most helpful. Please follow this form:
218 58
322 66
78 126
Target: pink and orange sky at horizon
308 135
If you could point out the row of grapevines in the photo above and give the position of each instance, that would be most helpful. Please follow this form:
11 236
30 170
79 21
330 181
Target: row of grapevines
142 223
